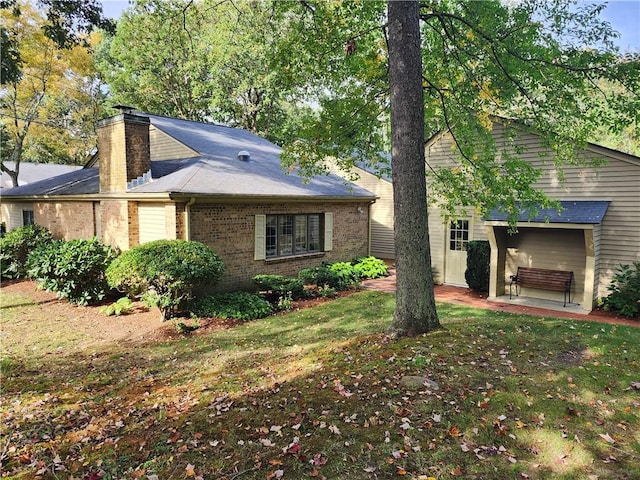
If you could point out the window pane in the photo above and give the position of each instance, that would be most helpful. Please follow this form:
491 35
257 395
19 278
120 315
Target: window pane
314 233
459 235
301 233
27 217
285 234
272 236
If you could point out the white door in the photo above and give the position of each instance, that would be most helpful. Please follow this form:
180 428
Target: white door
456 256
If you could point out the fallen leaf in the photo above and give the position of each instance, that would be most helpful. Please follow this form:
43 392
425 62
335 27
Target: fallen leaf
190 471
607 438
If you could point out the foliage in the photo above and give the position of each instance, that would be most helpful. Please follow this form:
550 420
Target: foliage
285 302
50 108
319 392
167 271
325 291
625 291
75 270
279 285
238 305
15 247
184 329
348 274
534 61
122 306
341 277
370 267
478 265
213 56
510 58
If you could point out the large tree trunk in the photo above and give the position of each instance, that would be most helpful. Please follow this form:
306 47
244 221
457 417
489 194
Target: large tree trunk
415 311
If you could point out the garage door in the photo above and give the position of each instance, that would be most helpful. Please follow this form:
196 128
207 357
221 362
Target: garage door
152 221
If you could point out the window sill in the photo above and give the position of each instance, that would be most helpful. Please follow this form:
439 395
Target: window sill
294 257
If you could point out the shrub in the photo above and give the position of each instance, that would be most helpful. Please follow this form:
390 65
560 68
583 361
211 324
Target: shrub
122 306
167 271
478 264
75 270
279 285
239 305
625 291
15 247
348 274
370 267
340 277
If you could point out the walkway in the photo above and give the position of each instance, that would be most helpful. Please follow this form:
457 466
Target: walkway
466 296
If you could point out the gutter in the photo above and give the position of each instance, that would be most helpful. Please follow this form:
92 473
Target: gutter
187 218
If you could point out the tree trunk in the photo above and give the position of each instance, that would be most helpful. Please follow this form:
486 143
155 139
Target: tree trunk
415 311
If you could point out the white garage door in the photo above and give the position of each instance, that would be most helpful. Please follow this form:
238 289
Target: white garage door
152 221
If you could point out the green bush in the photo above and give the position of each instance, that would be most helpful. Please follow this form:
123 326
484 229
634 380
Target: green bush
15 247
239 305
279 285
370 267
75 270
166 271
122 306
478 264
625 291
340 277
349 276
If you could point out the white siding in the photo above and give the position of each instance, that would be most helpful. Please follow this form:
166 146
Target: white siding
165 147
382 242
12 213
152 222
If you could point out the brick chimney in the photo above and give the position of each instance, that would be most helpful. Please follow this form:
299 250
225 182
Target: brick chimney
123 150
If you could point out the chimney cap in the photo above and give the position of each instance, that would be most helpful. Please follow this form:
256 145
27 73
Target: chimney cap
125 108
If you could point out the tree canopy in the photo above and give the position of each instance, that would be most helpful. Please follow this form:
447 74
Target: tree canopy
207 61
50 108
536 62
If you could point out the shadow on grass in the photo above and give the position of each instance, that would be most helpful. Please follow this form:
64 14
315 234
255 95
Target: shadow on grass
319 391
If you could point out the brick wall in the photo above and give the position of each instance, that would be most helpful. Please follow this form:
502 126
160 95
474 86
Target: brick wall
115 219
229 230
66 220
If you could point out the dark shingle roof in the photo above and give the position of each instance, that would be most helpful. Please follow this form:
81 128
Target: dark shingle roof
217 171
589 212
79 182
34 172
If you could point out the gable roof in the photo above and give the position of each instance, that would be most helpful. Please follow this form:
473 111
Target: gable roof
216 172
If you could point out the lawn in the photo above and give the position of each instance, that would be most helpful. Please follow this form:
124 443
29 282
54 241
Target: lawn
321 393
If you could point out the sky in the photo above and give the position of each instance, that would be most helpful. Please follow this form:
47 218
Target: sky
624 16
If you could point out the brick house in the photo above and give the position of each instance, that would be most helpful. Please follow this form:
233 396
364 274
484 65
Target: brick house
164 178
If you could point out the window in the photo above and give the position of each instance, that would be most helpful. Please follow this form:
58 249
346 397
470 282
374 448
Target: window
287 235
27 217
459 235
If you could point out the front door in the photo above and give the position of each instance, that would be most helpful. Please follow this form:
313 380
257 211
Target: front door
456 256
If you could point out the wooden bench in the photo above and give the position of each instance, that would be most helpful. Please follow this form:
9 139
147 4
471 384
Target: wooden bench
544 279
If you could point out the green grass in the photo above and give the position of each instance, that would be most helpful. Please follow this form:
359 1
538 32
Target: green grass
317 393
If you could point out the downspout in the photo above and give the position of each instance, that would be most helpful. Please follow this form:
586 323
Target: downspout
187 218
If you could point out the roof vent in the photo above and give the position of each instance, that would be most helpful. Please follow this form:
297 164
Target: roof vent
244 155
